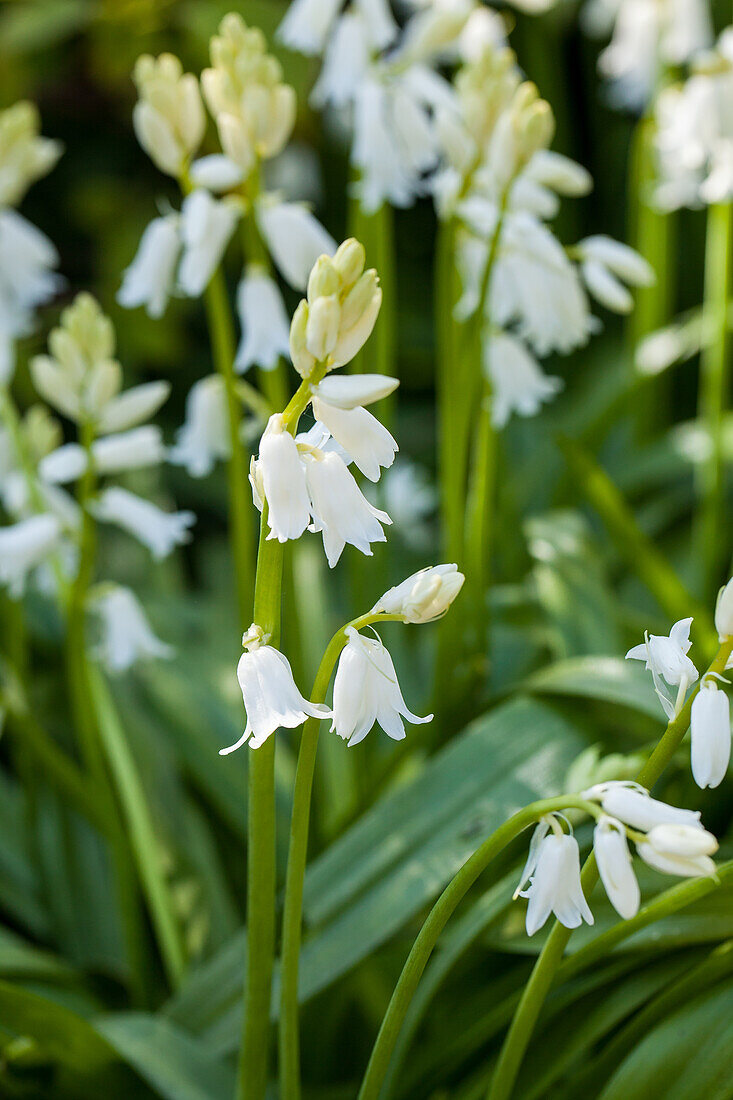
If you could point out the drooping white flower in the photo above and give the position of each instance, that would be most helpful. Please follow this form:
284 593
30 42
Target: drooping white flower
710 734
206 227
345 64
203 440
284 484
615 866
366 690
606 265
294 238
160 531
411 500
555 885
632 804
351 391
132 450
23 547
424 596
27 280
126 635
369 444
264 322
666 658
518 383
340 510
307 24
724 612
271 698
679 850
150 279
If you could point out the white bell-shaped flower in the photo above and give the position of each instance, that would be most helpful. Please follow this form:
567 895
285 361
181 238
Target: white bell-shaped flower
666 658
340 509
369 444
294 238
24 546
424 596
150 279
555 885
126 635
606 265
710 734
160 531
283 482
366 690
724 612
518 383
207 225
345 64
307 25
633 805
27 280
203 440
264 322
615 866
271 698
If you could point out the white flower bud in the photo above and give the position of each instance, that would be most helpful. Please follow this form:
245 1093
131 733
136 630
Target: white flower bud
710 735
324 279
169 116
682 840
349 260
424 596
724 612
25 155
359 312
302 359
322 329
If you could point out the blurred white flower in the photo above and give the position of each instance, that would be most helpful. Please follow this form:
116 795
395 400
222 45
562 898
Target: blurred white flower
424 596
666 658
169 116
25 155
271 698
411 500
555 885
27 280
307 24
126 635
606 265
23 547
134 406
216 173
160 531
366 690
150 279
263 320
132 450
206 227
203 440
710 734
518 384
294 238
615 867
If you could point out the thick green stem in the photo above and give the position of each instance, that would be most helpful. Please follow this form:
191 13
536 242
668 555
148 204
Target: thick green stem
548 962
288 1035
714 373
436 921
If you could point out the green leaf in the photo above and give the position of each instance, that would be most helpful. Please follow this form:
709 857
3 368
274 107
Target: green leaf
608 679
689 1055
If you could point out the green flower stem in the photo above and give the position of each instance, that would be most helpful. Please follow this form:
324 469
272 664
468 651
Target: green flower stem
436 921
261 868
288 1035
240 523
633 544
713 387
548 962
450 367
145 846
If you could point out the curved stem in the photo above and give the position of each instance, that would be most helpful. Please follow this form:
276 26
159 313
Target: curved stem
550 957
288 1035
436 921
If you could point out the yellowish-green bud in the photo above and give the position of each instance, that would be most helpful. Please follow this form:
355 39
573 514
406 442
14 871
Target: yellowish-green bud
25 156
302 359
359 299
324 280
349 261
169 115
324 315
359 314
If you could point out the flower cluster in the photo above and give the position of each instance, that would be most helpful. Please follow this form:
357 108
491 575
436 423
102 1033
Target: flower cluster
27 256
669 839
81 379
500 182
694 137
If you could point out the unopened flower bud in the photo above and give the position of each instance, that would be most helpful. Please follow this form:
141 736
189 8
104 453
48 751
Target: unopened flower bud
682 840
724 612
539 127
424 596
302 359
349 261
322 329
324 279
169 115
359 312
24 154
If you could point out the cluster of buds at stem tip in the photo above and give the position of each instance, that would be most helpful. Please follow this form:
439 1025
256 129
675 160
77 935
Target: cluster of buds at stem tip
337 318
244 90
669 839
169 116
24 154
